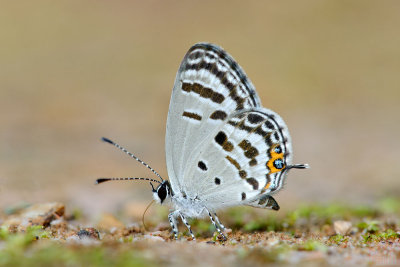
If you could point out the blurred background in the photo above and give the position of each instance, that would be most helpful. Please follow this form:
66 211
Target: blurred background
74 71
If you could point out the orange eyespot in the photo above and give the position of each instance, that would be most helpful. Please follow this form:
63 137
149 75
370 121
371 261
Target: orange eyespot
275 163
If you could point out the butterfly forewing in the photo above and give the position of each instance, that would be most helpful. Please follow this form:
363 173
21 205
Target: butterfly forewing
209 87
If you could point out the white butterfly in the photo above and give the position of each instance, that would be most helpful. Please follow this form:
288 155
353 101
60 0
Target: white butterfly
223 148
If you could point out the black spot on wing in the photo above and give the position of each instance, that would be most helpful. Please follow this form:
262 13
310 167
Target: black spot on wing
227 146
202 166
276 136
254 118
269 125
253 162
244 144
253 182
218 115
242 173
251 152
220 138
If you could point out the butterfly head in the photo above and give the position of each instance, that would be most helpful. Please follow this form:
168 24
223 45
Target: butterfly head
162 192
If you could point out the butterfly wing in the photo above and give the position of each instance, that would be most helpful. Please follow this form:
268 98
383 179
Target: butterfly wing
265 202
209 87
242 163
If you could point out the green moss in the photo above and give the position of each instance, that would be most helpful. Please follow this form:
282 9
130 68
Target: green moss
306 216
201 228
56 255
23 249
128 239
238 216
387 235
215 237
271 223
337 239
369 226
313 245
15 241
4 233
327 214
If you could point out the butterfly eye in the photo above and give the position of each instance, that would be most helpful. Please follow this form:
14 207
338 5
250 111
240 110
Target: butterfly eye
278 163
162 192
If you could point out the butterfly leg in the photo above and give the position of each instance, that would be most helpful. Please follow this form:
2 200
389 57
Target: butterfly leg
218 222
216 226
187 225
172 222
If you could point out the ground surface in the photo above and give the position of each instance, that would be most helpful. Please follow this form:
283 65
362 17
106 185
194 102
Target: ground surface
45 235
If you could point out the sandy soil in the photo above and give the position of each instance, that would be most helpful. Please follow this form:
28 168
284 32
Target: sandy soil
308 236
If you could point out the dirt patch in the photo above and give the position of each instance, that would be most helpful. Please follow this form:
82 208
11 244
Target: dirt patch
332 234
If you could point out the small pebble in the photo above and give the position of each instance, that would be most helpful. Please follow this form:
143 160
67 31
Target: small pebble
39 214
342 227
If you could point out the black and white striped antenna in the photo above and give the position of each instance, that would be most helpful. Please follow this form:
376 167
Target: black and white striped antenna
101 180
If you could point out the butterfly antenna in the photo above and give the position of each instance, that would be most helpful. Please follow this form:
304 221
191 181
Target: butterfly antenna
298 166
102 180
132 156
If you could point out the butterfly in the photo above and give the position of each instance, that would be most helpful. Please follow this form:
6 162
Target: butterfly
223 149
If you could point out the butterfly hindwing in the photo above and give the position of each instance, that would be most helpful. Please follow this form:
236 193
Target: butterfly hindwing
244 160
264 202
209 87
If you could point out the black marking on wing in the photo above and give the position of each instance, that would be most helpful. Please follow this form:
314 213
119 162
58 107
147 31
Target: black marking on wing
191 115
242 173
249 151
222 140
233 162
270 123
253 182
221 74
218 115
203 92
202 166
254 118
268 202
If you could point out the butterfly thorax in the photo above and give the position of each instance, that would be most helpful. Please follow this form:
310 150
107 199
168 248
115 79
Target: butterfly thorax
191 207
180 201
